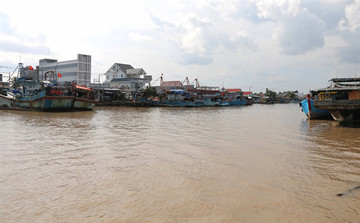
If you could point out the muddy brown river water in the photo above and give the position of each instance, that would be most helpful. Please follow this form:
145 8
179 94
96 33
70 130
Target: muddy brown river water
259 163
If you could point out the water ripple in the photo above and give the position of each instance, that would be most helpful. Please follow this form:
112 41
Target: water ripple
260 163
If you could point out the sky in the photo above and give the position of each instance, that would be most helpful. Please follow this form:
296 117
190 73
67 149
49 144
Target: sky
249 44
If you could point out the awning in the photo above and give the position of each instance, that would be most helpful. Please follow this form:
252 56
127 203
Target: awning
83 88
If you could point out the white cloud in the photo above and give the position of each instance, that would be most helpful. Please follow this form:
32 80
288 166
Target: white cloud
15 44
351 21
198 39
298 30
139 37
277 8
219 41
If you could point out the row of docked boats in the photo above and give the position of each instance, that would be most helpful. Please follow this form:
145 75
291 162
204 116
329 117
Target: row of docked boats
196 97
46 96
340 101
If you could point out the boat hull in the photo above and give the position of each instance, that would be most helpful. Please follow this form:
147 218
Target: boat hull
197 103
311 112
341 110
83 104
237 102
45 103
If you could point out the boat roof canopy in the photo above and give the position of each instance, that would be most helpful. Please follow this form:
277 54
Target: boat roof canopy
337 89
350 79
176 91
83 88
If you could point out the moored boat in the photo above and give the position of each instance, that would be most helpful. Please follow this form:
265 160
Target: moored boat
307 106
84 98
36 95
45 96
238 102
341 99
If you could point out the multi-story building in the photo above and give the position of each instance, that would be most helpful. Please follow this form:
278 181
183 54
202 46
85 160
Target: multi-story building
124 76
117 70
78 70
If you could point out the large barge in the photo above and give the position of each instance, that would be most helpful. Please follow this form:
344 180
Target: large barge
341 99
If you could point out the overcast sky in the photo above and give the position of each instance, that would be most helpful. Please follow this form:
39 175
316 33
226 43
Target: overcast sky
257 44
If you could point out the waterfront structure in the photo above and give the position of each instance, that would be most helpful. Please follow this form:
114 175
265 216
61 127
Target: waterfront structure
4 85
29 72
124 76
78 70
341 99
167 85
248 94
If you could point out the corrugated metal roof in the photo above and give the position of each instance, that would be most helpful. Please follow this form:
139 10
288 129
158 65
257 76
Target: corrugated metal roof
126 79
124 67
247 92
233 90
338 89
350 79
139 71
171 84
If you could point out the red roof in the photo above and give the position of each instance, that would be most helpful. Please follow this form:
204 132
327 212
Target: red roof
247 93
233 90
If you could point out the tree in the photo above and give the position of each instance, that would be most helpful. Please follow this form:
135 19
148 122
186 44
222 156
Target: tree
270 93
150 92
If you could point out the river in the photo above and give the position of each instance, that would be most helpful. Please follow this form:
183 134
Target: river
259 163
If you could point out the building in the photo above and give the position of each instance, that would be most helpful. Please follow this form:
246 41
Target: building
124 76
167 85
78 70
247 93
29 72
118 70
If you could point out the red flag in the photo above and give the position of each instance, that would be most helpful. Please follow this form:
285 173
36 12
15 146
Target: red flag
31 68
59 75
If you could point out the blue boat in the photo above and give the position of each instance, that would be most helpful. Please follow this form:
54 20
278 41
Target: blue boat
195 97
238 102
209 102
307 106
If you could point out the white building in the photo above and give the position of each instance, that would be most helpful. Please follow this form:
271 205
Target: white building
118 70
78 70
124 76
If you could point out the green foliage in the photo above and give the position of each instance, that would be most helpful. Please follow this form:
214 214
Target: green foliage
270 93
150 92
